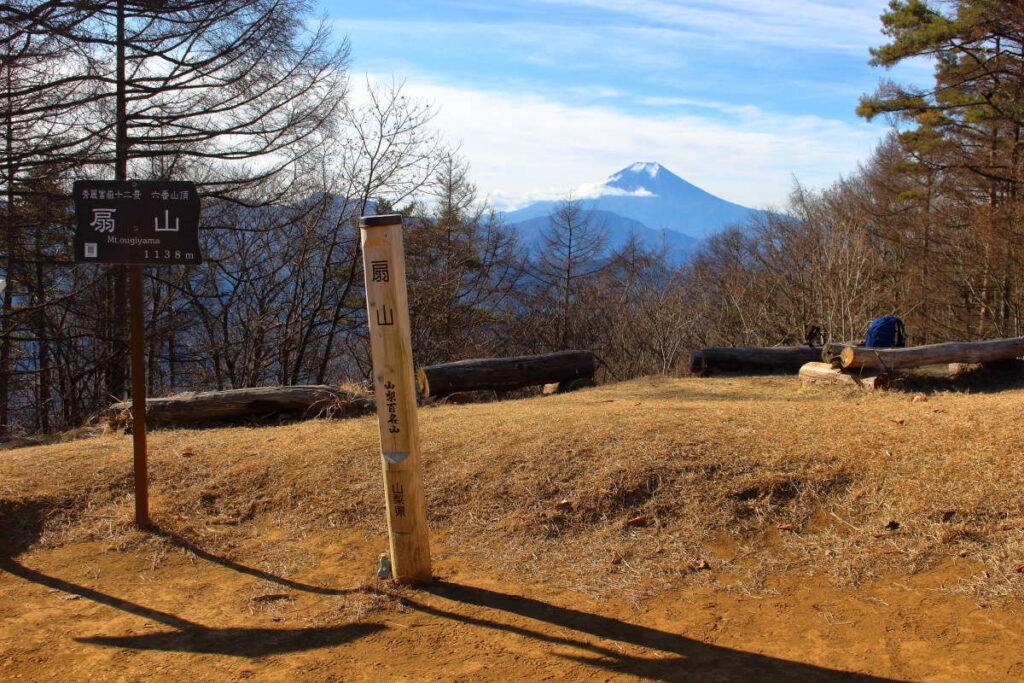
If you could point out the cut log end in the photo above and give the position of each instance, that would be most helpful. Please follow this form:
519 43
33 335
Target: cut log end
568 385
422 382
833 351
824 373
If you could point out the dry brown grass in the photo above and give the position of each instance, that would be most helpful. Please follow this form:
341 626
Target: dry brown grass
637 487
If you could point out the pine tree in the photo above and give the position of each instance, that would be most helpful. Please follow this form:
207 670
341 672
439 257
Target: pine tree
966 133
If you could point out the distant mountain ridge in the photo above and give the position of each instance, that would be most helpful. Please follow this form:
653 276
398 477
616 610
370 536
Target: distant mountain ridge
648 200
618 229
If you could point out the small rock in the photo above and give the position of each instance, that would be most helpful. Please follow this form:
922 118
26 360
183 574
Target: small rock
616 558
638 521
701 564
563 504
919 398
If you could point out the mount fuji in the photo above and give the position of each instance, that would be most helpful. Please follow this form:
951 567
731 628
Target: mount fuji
649 201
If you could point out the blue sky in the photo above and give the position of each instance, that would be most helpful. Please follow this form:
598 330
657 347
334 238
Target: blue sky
740 97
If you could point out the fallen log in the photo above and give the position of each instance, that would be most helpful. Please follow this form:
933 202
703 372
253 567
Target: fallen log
232 404
824 373
754 360
933 354
831 352
503 374
1012 368
567 386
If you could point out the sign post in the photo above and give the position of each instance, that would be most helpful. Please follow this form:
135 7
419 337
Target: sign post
137 222
387 310
140 464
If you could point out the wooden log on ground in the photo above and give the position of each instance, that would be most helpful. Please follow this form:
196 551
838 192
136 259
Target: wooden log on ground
232 404
504 374
933 354
831 352
568 385
824 373
1012 368
753 360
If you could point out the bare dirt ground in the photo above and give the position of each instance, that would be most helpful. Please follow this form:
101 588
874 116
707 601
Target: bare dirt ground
697 530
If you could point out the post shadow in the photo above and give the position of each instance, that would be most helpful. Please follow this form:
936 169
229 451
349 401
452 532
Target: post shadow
693 659
185 544
189 636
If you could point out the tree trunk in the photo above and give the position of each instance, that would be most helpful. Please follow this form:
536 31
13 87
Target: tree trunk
6 344
753 360
934 354
117 363
503 374
216 406
824 373
42 345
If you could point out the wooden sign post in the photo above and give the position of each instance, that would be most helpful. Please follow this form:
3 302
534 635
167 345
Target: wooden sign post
137 223
387 310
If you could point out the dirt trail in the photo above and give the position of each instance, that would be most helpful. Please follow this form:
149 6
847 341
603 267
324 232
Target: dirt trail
172 611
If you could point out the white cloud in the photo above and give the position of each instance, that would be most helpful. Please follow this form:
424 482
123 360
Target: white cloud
595 91
599 189
524 147
835 24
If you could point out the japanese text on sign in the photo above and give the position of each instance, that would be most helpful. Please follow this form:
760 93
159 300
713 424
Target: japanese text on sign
385 316
398 499
391 398
136 222
379 271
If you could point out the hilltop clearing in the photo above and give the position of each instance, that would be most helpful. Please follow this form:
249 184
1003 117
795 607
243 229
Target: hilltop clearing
708 529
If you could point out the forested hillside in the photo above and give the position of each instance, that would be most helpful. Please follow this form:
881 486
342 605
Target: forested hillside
287 157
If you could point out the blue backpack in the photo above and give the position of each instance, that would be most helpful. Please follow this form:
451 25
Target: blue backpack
885 333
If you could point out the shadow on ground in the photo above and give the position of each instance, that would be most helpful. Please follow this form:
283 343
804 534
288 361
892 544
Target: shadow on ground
189 636
23 525
691 659
997 378
596 637
187 545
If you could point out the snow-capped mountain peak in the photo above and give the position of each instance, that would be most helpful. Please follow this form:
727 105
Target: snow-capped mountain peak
651 168
651 196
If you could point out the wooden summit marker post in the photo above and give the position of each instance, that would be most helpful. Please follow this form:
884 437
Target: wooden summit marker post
387 311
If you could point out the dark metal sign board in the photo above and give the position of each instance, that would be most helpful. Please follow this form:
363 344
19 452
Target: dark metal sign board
136 222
